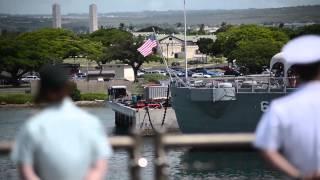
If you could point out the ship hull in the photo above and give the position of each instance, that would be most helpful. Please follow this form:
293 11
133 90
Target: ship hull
239 115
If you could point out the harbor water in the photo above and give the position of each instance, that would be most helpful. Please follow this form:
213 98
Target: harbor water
183 164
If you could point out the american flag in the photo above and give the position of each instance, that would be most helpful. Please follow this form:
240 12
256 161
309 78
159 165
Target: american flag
147 48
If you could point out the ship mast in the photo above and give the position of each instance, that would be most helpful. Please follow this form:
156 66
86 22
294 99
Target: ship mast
185 40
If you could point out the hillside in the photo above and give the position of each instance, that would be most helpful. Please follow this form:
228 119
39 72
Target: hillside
214 17
79 22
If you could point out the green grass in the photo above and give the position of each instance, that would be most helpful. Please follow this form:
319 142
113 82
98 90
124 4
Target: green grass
137 88
82 61
93 96
155 78
16 98
27 98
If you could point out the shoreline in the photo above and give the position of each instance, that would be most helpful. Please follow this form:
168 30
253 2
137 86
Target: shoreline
97 103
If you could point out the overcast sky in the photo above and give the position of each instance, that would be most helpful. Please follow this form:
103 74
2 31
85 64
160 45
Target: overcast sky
104 6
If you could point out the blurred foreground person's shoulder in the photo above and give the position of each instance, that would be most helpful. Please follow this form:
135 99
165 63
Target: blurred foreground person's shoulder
291 124
62 141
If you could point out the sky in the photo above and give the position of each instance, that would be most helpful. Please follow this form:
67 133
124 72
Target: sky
107 6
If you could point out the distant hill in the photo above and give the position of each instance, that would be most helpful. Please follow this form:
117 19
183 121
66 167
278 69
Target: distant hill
79 22
215 17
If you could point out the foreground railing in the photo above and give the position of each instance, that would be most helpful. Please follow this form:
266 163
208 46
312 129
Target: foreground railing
164 142
208 142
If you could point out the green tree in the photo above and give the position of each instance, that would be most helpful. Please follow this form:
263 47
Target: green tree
82 47
13 59
224 27
305 30
251 45
292 33
201 29
131 27
122 46
29 51
255 54
179 24
59 44
205 46
311 29
122 26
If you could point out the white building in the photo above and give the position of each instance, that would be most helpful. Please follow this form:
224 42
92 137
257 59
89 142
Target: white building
113 71
93 18
173 45
208 29
56 16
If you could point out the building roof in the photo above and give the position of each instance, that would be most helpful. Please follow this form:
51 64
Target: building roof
97 72
193 38
118 65
142 33
161 37
119 87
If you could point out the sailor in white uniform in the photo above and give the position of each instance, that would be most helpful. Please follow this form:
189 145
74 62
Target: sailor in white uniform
62 142
289 133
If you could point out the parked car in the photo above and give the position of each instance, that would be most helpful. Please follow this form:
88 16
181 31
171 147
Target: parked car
215 73
200 75
178 73
161 72
100 79
30 78
177 68
81 75
232 72
175 64
193 62
164 73
206 71
197 83
182 71
140 73
190 73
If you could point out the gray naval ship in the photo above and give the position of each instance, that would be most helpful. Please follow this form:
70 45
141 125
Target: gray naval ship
228 104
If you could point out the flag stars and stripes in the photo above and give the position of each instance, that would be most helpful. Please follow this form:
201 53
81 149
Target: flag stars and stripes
147 48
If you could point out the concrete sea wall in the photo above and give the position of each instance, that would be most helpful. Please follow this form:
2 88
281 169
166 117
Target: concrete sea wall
89 86
126 117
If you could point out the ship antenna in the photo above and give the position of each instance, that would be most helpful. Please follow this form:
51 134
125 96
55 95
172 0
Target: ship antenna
185 39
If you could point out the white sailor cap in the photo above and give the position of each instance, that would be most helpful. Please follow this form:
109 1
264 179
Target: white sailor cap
302 50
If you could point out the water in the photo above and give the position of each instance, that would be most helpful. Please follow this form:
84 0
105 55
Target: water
183 164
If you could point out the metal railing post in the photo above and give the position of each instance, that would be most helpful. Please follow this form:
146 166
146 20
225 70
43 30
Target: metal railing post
160 161
252 86
285 84
269 84
5 147
237 84
134 153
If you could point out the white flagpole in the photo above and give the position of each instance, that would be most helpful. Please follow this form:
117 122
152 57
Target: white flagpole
185 40
161 52
166 63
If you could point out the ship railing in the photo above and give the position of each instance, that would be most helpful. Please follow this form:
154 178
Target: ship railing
164 142
247 84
